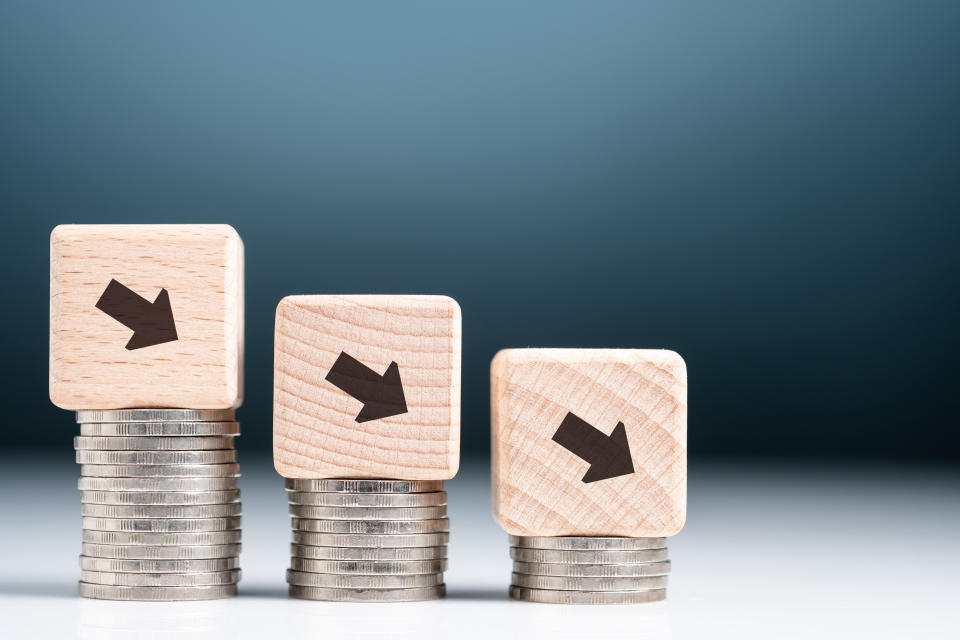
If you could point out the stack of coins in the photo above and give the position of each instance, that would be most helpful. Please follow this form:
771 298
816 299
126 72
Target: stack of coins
589 570
161 507
368 540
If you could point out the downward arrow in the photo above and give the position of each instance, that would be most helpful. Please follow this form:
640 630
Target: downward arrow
609 456
152 323
382 396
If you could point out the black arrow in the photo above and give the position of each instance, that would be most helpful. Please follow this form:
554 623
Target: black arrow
382 396
609 456
152 323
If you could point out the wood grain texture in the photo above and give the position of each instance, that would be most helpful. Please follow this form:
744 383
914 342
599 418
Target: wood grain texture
315 432
537 484
200 266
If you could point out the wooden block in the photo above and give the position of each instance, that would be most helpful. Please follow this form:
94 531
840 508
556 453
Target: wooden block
367 387
146 316
589 442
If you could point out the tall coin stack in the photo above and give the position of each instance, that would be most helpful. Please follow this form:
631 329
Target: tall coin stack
589 570
161 507
368 540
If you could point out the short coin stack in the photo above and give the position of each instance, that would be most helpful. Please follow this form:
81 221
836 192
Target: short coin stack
368 540
589 570
161 507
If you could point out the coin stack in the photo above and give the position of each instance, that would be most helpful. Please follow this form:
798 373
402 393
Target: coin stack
368 540
589 570
161 507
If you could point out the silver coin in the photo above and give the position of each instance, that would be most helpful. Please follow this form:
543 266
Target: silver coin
593 570
565 583
153 485
160 579
161 511
406 567
160 470
155 429
339 581
164 443
155 415
367 513
161 525
334 485
165 594
369 540
585 543
221 456
377 527
588 557
389 500
587 597
115 565
161 539
368 554
170 498
154 552
330 594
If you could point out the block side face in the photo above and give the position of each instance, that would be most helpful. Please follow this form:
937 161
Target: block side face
200 269
284 424
495 464
316 429
57 395
235 320
455 349
539 483
499 470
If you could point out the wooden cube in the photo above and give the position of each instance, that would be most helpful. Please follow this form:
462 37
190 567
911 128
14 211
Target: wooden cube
146 316
367 387
589 442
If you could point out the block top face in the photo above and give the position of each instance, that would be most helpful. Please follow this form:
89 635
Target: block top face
589 442
367 387
146 316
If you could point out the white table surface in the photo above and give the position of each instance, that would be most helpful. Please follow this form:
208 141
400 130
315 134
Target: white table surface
771 551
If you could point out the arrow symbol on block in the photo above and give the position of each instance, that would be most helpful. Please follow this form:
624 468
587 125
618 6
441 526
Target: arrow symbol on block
609 456
382 396
152 322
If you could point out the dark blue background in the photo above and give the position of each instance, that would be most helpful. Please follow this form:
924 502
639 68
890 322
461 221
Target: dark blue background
769 188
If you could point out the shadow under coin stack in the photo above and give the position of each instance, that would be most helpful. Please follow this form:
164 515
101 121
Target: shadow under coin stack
367 540
589 570
161 507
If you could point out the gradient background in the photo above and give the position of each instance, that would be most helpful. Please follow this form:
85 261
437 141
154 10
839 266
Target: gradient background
769 188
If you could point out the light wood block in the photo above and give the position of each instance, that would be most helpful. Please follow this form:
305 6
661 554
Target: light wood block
627 480
340 363
146 316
